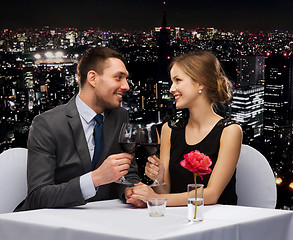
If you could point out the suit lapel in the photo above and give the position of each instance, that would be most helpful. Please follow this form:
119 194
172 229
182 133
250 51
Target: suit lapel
78 133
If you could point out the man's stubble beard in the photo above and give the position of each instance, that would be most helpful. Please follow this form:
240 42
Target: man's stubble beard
105 105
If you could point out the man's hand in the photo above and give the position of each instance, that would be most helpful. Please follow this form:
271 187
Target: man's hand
114 167
133 201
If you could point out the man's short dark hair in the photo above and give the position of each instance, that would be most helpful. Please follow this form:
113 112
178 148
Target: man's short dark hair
94 59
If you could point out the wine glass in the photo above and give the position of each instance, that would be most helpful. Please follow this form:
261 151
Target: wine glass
128 140
150 140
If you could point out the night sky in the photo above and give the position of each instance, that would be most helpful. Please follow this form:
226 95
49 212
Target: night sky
133 15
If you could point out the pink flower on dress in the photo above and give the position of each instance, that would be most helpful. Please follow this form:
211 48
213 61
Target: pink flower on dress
197 162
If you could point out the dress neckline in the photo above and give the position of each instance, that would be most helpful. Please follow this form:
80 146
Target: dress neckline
191 145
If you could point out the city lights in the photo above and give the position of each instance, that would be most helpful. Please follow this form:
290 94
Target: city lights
38 72
37 56
59 54
278 180
49 55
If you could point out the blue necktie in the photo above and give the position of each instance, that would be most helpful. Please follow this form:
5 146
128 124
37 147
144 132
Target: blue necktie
99 139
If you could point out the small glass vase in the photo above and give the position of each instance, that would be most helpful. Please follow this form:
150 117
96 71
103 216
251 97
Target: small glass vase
195 202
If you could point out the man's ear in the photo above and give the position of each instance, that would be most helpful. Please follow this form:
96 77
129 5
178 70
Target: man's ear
92 77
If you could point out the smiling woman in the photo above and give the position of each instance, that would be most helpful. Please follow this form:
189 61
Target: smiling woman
198 82
203 71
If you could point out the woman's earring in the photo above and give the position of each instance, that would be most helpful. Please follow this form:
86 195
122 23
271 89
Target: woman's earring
200 91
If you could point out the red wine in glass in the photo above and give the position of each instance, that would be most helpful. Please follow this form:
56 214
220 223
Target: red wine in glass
150 140
128 147
151 148
128 140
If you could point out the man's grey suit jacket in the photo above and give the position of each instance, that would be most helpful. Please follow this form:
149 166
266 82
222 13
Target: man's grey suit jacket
58 155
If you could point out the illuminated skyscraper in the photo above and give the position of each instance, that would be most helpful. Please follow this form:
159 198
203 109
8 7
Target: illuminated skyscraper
164 52
250 70
278 94
247 109
247 106
164 59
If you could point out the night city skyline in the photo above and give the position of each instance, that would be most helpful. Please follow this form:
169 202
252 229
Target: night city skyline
38 64
134 15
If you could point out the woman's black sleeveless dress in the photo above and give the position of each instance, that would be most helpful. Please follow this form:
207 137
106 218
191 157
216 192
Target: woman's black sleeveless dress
180 176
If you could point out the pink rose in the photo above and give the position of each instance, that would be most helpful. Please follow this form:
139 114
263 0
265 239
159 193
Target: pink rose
197 162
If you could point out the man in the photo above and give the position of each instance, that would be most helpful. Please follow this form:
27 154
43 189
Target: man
62 147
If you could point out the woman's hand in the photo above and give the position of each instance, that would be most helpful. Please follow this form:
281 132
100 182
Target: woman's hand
133 201
154 169
141 192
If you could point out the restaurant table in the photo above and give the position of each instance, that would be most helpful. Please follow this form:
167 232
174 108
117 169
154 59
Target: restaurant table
115 220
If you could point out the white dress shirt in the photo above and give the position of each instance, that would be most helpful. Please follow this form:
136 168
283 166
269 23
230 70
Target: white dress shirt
88 123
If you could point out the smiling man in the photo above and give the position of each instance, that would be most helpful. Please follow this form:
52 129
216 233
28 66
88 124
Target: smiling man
73 150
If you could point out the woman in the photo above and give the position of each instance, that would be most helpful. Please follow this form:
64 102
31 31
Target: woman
198 83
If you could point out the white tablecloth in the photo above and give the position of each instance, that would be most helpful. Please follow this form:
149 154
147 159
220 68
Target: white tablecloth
115 220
